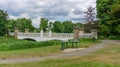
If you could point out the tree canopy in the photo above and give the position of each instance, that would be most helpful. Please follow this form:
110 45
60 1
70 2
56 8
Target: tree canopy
108 13
68 26
3 22
43 24
58 27
21 24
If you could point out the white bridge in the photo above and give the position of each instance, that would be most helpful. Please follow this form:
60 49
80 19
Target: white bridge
48 36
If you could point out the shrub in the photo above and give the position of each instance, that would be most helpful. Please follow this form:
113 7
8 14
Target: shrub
112 37
101 37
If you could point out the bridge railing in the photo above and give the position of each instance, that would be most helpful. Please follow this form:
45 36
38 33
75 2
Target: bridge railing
86 35
69 35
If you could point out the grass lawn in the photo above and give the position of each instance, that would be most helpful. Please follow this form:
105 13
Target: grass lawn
39 51
107 57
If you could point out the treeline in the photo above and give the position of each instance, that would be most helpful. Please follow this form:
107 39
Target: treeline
58 26
23 24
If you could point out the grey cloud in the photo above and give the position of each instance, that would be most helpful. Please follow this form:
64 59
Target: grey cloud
46 8
78 12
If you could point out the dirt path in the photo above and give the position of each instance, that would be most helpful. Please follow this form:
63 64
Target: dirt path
86 51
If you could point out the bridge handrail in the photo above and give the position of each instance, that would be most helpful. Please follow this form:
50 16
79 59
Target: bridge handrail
85 35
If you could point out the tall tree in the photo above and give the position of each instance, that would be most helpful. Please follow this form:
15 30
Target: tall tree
90 15
68 26
11 25
3 22
21 24
115 18
58 27
43 24
107 28
90 18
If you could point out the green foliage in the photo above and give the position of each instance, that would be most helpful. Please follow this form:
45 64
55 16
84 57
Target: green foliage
101 37
68 26
58 27
3 22
114 37
3 30
108 13
21 24
11 25
13 44
78 25
44 24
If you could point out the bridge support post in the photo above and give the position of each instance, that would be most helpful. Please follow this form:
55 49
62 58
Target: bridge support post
26 30
16 33
94 34
76 33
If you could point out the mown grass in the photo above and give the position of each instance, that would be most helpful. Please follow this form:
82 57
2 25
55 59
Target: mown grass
33 52
61 63
87 42
107 57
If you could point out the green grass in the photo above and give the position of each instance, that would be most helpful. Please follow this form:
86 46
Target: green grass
107 57
18 49
10 43
87 42
14 44
61 63
96 59
33 52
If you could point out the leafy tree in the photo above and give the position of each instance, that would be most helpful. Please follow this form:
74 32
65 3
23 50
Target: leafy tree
79 25
21 24
58 27
44 24
103 14
11 25
108 14
3 22
68 26
115 18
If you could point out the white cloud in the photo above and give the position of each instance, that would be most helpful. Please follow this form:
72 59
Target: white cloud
51 9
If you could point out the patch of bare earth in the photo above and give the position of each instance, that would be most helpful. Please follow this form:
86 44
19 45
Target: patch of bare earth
72 50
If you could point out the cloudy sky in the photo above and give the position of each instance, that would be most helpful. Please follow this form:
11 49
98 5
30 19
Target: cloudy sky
51 9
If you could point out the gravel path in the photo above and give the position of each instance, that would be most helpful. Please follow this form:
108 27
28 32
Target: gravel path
86 51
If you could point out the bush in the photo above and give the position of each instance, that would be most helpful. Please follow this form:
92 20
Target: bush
101 37
114 37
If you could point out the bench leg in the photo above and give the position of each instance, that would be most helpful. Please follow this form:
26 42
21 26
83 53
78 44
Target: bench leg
76 45
62 46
